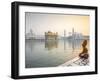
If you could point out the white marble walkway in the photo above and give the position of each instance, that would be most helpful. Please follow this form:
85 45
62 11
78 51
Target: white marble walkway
76 62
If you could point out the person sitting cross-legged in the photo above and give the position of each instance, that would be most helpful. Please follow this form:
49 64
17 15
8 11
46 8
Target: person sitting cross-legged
84 54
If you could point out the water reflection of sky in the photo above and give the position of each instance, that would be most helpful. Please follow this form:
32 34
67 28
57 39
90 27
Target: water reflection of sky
41 53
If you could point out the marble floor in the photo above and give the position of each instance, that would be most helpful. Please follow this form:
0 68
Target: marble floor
76 62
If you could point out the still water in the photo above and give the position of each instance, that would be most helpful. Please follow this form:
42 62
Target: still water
41 53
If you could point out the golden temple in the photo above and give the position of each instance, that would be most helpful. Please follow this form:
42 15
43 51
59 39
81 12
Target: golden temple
51 36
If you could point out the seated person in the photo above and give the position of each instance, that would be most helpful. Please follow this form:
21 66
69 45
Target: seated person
84 53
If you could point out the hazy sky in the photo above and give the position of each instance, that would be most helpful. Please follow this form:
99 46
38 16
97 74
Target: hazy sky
41 23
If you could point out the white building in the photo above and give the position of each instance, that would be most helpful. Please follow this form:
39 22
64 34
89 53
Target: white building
29 35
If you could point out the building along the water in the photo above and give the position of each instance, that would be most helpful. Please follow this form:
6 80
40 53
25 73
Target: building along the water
51 36
75 35
29 35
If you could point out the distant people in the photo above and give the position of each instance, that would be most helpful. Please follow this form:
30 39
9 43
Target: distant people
84 54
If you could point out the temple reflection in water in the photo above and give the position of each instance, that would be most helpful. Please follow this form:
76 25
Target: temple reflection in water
50 44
